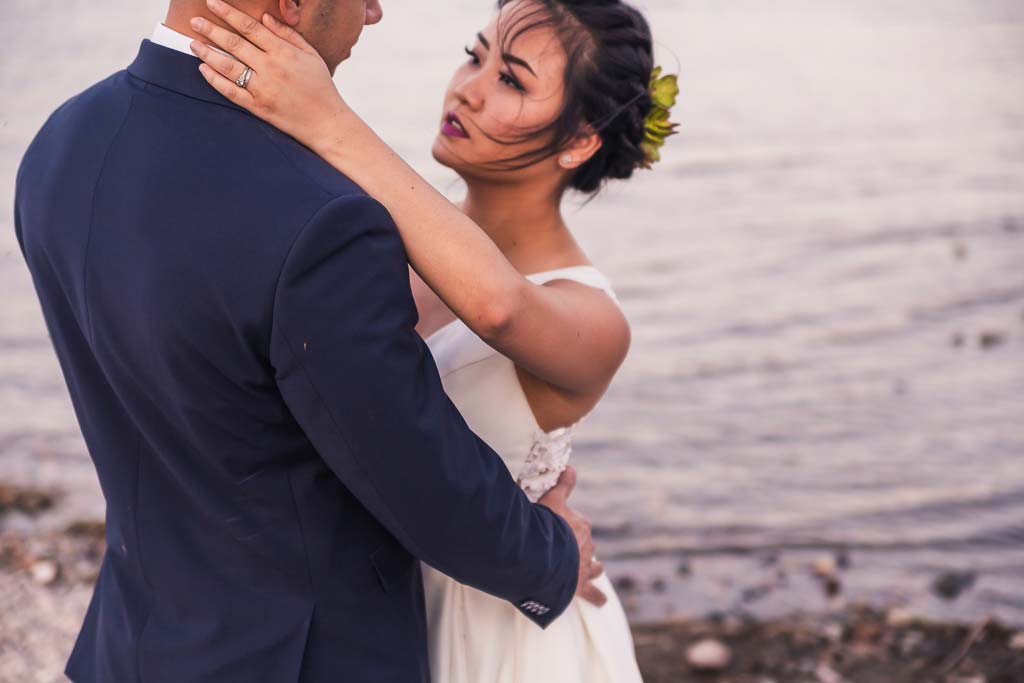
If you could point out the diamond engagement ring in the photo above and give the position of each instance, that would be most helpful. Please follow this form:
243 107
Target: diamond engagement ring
243 80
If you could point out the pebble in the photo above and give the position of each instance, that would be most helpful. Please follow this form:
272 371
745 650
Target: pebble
898 616
709 655
958 339
659 585
1017 641
825 566
988 340
911 642
951 584
45 572
833 630
755 593
827 674
684 568
28 501
626 584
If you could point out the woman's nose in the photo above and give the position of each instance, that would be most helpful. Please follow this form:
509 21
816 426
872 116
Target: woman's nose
470 93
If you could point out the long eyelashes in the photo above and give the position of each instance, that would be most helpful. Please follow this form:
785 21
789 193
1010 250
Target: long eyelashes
506 78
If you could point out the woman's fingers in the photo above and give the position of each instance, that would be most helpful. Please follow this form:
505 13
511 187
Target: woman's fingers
229 67
286 32
250 29
228 89
593 595
228 41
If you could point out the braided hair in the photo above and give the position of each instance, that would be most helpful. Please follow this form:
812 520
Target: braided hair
610 58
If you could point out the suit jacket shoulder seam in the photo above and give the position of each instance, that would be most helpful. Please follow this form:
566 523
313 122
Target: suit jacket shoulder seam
92 219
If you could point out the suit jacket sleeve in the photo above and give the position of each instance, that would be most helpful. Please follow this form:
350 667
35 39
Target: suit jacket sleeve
363 386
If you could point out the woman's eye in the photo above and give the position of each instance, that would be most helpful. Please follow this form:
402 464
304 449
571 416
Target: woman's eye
509 80
475 59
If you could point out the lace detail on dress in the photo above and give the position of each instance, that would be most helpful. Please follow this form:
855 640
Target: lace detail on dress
546 461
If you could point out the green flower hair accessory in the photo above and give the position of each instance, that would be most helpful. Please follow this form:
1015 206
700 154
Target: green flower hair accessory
663 90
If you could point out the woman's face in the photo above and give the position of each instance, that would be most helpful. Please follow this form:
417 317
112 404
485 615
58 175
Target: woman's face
503 96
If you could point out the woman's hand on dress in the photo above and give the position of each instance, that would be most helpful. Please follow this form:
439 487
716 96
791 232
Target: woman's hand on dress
556 499
290 86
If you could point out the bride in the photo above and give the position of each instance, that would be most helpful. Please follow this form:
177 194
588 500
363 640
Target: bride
526 333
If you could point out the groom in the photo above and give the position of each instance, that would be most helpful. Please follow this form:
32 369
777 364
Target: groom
235 325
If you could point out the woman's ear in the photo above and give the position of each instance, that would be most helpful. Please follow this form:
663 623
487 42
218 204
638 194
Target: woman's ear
579 151
290 11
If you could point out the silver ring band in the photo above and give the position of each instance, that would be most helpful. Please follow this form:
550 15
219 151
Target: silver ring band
243 80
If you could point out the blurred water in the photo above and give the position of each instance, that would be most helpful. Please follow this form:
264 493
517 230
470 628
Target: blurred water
825 279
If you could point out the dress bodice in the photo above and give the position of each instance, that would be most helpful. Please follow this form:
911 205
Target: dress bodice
484 386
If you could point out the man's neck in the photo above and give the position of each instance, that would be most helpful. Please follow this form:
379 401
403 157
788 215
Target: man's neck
179 18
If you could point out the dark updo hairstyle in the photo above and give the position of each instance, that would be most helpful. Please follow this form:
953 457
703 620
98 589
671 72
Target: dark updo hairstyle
610 58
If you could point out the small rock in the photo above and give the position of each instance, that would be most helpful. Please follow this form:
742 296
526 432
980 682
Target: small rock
960 251
991 339
911 642
898 617
1010 225
684 568
827 674
626 584
833 630
709 655
28 501
45 572
951 584
958 339
659 585
755 593
825 566
843 560
88 528
1017 641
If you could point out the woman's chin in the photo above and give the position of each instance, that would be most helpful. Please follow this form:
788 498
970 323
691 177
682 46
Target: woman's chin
443 154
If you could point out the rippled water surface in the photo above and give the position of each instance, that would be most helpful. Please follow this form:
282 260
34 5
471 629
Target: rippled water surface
825 279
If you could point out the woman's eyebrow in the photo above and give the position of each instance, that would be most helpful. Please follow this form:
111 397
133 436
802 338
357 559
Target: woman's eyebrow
509 58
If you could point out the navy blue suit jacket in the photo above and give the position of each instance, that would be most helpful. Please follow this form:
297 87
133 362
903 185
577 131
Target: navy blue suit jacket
234 321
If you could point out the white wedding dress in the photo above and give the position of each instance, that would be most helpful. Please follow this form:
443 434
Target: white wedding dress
473 636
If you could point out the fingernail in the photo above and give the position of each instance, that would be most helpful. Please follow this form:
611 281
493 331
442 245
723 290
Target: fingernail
198 23
194 46
214 4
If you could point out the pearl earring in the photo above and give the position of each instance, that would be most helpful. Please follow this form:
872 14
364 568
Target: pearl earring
566 159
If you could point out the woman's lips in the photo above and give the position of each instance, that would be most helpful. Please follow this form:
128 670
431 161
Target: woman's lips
452 127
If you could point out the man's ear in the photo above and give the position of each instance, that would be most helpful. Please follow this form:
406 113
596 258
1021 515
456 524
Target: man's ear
289 11
579 151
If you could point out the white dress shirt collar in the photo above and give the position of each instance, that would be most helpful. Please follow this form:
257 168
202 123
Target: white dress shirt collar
170 38
179 42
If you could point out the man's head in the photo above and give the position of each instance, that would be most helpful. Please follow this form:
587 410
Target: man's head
332 27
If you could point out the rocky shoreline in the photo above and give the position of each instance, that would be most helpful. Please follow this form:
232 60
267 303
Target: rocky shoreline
46 579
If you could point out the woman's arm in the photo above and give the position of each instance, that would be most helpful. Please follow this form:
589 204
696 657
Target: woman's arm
567 334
